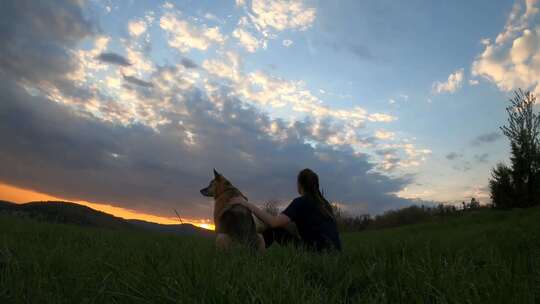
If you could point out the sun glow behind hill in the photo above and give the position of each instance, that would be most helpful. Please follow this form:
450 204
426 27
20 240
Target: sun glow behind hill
19 195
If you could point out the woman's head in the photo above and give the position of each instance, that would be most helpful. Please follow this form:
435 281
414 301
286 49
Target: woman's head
308 182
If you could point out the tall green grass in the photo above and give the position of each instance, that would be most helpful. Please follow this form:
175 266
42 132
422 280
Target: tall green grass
481 257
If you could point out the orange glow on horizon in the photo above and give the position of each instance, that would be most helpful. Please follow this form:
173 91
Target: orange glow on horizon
19 195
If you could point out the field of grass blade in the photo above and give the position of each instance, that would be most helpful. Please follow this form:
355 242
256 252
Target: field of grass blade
481 257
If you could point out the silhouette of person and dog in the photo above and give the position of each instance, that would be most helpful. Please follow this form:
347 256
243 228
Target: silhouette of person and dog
239 221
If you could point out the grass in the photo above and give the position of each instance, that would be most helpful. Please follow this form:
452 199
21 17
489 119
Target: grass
481 257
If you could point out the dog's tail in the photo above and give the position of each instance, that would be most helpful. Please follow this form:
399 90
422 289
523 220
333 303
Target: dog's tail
238 223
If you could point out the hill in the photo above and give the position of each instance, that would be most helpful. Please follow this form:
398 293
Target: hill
485 256
182 229
72 213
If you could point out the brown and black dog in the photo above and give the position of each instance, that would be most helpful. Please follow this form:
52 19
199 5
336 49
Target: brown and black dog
233 220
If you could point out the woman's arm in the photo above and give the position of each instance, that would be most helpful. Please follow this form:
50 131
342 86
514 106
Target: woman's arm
280 220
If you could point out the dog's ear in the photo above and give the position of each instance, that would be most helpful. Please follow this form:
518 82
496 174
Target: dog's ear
216 174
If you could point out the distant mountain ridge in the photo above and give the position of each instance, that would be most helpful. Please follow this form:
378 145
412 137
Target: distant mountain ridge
72 213
187 229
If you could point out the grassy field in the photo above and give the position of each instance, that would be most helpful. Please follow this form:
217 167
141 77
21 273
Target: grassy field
481 257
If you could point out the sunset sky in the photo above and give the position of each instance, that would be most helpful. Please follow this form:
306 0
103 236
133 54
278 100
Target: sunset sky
130 104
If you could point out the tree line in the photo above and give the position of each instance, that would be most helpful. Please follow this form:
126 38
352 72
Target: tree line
413 214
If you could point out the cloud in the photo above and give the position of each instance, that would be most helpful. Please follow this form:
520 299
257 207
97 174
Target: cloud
213 17
188 63
345 128
264 90
113 58
139 63
381 134
380 117
287 42
513 60
451 85
481 158
404 97
136 28
35 52
390 159
360 51
279 15
136 81
264 19
65 21
168 6
473 82
247 40
80 157
486 138
92 139
453 156
400 155
387 151
464 166
185 36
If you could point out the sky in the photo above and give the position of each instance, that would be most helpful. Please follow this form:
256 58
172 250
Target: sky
131 104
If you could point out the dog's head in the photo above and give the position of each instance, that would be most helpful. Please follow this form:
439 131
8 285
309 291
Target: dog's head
216 186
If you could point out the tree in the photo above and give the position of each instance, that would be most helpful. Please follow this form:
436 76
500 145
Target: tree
501 187
522 180
474 204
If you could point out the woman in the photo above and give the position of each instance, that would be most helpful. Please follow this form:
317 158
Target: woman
311 213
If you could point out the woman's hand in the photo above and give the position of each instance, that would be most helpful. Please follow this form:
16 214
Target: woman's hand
247 204
281 220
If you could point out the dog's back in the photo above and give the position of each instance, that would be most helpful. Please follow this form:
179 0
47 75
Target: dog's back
238 223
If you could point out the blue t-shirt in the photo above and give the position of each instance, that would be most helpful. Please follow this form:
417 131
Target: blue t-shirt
317 230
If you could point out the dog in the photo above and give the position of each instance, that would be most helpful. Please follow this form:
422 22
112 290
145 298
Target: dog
232 220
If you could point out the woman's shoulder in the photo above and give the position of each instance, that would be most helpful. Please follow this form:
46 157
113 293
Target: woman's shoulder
300 199
303 200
